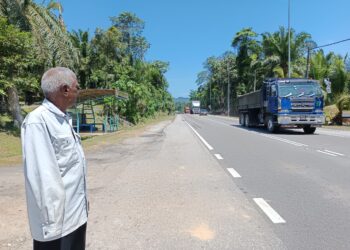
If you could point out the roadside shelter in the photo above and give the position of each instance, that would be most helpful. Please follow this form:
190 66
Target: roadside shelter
90 113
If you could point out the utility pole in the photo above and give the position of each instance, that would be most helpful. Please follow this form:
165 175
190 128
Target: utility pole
228 89
254 80
307 62
209 96
288 38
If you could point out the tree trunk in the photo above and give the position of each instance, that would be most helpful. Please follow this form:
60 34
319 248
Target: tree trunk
14 107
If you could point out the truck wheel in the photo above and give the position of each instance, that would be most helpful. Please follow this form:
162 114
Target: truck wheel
309 130
271 127
241 119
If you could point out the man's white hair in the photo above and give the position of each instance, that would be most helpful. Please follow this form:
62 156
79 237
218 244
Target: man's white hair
54 78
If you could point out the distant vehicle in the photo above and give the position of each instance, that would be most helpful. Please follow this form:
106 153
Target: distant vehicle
187 110
283 103
196 106
203 112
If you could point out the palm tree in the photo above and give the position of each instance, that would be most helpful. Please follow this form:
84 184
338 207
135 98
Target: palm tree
276 44
319 65
50 37
338 75
248 50
80 40
51 41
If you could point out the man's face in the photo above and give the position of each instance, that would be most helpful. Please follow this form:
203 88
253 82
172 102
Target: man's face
73 92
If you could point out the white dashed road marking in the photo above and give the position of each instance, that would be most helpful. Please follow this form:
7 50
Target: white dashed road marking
298 144
269 211
234 173
218 156
333 152
326 153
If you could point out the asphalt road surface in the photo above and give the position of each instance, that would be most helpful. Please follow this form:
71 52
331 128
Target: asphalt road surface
160 189
299 183
203 182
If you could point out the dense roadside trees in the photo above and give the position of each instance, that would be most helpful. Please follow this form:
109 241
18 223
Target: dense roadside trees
16 64
266 55
33 38
50 41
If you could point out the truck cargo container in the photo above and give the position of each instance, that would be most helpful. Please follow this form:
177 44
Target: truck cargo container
196 107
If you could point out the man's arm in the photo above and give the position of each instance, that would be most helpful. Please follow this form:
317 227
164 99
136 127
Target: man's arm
44 185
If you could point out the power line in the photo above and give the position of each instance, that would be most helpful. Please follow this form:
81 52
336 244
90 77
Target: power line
317 47
331 44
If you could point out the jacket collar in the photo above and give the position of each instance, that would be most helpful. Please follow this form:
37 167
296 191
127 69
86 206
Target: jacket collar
51 107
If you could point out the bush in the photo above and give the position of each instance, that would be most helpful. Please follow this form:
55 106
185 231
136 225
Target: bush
343 102
331 113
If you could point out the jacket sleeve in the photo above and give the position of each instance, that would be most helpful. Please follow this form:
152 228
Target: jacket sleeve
44 187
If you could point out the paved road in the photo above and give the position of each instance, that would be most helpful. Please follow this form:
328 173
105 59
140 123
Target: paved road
303 179
160 189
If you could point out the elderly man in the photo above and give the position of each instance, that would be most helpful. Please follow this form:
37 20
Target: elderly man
54 167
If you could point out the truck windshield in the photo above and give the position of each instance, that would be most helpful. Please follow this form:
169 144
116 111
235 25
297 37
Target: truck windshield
299 90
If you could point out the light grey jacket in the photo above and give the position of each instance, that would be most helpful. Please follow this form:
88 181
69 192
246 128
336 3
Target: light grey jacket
55 173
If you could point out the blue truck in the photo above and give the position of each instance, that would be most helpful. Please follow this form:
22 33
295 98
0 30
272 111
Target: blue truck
286 102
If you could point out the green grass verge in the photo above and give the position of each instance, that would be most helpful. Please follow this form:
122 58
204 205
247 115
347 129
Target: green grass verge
10 149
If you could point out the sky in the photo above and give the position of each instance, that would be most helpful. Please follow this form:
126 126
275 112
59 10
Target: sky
186 32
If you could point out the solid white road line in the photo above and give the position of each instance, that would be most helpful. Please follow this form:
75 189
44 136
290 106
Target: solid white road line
268 210
234 173
200 137
333 152
218 156
326 153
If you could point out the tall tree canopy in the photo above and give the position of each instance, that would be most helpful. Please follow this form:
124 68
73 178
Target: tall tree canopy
50 40
276 45
111 58
131 28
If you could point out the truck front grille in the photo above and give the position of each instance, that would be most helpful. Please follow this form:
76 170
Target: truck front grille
302 105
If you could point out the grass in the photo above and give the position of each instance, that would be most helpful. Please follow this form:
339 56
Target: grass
10 142
10 149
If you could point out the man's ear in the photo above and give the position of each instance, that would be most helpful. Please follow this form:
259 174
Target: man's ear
64 89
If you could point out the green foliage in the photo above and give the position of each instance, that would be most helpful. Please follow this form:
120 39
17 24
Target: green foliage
213 82
147 89
80 40
334 68
112 58
17 59
258 58
276 44
337 75
50 38
331 113
343 102
131 28
115 64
